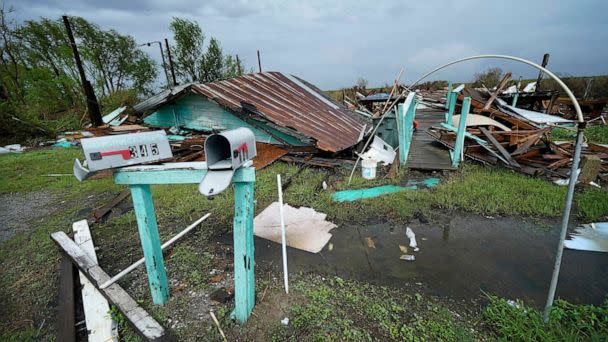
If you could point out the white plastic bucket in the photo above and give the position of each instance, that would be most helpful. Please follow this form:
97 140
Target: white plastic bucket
368 168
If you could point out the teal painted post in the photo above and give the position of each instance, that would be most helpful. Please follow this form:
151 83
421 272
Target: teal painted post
400 130
150 242
409 130
244 277
451 108
462 130
448 96
514 103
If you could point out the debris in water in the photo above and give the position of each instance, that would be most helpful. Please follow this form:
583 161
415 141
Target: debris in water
305 228
330 247
410 235
403 249
407 257
370 242
590 237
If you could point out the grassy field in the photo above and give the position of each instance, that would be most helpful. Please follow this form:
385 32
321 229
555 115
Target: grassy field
29 260
596 134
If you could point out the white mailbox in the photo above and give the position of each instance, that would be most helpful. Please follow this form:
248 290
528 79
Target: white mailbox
122 150
225 152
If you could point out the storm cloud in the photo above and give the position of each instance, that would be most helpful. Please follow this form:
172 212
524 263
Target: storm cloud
332 43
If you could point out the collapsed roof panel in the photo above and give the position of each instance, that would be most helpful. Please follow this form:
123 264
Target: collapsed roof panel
288 102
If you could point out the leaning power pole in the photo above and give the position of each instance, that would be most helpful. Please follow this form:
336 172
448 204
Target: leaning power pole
89 93
170 62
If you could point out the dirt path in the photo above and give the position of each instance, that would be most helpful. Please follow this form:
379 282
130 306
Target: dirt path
18 212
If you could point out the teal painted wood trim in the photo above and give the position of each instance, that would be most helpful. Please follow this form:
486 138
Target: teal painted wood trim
357 194
196 112
243 174
460 134
244 261
467 134
405 117
448 96
150 242
514 102
451 107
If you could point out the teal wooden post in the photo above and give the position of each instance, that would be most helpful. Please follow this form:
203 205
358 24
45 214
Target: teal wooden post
244 276
405 118
451 108
514 102
150 242
462 130
448 96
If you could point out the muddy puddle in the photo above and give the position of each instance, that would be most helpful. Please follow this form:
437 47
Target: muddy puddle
459 257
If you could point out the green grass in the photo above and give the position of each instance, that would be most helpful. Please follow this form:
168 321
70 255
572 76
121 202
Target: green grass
26 172
342 310
28 261
596 134
567 322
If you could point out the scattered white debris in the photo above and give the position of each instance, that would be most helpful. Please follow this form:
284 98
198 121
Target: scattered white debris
408 257
14 148
410 235
513 303
590 237
380 151
305 228
530 87
324 185
285 321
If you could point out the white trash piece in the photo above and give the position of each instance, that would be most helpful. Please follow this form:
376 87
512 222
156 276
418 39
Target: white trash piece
368 168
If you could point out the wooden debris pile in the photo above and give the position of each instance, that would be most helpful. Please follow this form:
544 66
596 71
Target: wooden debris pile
497 136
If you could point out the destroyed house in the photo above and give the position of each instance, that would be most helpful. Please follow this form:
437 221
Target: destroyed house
280 109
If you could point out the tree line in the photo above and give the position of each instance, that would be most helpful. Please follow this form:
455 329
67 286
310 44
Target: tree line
40 89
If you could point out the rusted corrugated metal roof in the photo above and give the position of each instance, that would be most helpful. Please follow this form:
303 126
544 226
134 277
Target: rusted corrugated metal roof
288 102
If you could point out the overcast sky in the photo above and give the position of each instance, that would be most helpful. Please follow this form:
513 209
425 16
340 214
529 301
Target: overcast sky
332 43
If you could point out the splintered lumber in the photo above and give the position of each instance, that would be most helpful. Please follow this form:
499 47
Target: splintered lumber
146 326
66 330
96 308
499 147
501 85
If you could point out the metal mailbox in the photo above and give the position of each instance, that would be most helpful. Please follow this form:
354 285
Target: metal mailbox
225 152
122 150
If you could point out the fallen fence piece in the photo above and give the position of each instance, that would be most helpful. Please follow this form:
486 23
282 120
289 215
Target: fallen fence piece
99 213
590 237
100 326
163 246
146 326
357 194
217 324
305 228
66 330
498 146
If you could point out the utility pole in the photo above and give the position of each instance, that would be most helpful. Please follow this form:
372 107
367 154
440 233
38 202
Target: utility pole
259 61
162 55
540 73
92 105
238 65
170 62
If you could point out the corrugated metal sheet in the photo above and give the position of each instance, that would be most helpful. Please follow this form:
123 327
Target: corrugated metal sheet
290 103
160 98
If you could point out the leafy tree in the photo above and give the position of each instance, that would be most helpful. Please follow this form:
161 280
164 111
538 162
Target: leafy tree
195 63
489 78
361 83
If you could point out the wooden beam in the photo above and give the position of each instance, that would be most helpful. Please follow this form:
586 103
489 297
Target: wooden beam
66 330
499 147
146 326
501 85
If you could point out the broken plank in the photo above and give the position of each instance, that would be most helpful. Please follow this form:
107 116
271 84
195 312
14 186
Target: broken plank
146 326
66 329
99 213
499 147
499 88
100 326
